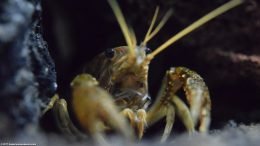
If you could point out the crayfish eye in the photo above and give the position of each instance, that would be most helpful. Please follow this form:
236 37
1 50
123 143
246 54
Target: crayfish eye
110 53
148 51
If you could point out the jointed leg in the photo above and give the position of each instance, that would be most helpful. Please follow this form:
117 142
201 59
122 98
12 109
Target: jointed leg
167 103
51 104
137 120
170 115
62 117
128 113
183 112
141 123
205 119
196 92
166 107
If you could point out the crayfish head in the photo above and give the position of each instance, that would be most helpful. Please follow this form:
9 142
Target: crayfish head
129 77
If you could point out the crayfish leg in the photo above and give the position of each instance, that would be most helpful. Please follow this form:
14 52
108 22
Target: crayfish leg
62 118
168 103
196 93
95 109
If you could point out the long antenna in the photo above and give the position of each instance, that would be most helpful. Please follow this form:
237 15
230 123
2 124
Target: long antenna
151 26
213 14
160 25
122 23
150 34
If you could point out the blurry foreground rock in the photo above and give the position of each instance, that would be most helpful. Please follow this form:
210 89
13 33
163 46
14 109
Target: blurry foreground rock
27 73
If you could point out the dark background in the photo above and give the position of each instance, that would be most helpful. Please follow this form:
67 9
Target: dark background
225 52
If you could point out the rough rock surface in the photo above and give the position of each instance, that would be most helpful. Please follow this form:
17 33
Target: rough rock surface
27 72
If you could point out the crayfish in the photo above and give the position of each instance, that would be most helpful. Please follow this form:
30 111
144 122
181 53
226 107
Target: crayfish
113 93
